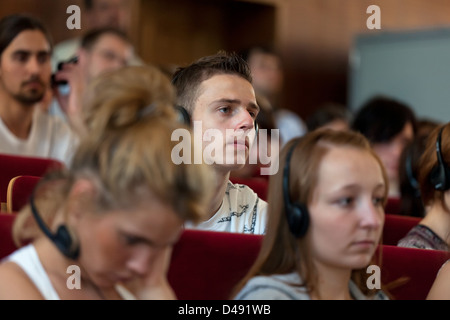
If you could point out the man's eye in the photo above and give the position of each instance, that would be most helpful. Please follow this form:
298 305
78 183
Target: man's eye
22 57
225 109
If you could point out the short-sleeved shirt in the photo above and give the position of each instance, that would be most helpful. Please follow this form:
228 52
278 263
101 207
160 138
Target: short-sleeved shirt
241 211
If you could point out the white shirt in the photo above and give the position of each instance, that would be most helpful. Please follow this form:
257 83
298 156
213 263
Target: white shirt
290 125
28 260
50 137
242 211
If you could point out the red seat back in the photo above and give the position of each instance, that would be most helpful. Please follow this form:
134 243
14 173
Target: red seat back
393 206
206 265
417 266
13 165
396 227
7 245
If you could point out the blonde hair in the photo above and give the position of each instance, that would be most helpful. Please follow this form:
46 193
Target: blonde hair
281 251
127 151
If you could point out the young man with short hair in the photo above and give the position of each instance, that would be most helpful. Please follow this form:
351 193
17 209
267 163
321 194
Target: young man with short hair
218 94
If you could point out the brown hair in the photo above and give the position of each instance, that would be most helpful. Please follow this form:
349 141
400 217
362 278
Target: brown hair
281 252
90 39
11 26
429 160
187 80
127 151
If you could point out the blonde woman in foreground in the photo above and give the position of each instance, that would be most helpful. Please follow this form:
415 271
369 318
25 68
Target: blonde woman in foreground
116 214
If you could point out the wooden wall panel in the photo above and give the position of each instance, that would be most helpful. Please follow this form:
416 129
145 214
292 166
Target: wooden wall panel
51 12
314 36
180 31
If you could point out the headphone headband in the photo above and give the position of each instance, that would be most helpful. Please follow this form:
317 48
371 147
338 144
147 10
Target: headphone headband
410 175
297 214
286 171
440 174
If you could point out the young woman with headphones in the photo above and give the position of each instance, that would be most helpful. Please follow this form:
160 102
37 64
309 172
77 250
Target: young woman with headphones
433 231
326 214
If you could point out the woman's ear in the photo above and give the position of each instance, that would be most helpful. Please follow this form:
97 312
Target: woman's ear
80 197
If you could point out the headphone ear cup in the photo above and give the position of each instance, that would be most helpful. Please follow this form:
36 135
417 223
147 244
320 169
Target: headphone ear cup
66 242
298 219
435 178
438 177
440 174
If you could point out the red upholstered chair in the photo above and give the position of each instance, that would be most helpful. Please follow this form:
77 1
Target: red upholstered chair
417 266
19 191
396 227
259 185
7 245
13 165
206 265
392 206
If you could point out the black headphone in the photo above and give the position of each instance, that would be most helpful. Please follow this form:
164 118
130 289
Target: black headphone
63 239
440 174
297 214
410 175
183 115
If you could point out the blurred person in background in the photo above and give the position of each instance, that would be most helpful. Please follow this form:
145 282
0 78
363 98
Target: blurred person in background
25 70
389 125
433 231
268 80
97 14
410 197
102 50
330 115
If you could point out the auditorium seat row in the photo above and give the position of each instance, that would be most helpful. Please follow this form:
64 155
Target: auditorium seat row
206 265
